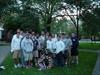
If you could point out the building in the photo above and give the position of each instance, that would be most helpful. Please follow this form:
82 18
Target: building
1 30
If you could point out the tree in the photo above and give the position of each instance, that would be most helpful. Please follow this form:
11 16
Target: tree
20 15
90 18
46 9
3 4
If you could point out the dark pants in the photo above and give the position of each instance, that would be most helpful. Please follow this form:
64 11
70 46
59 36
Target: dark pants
59 59
65 54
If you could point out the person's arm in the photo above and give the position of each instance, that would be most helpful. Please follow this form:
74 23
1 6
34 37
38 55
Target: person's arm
23 44
77 42
32 44
70 45
62 46
12 45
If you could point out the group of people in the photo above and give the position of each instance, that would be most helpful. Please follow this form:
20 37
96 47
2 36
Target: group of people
43 50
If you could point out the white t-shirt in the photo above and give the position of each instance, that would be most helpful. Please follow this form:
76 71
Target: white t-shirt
54 40
60 46
50 45
41 41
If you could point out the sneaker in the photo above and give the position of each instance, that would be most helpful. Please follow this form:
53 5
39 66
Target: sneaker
77 62
72 62
66 63
2 68
40 69
19 65
27 67
15 66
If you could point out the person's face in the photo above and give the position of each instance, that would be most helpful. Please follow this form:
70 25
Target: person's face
62 36
42 33
73 35
53 35
21 32
47 34
50 38
18 34
37 35
33 33
27 35
67 36
18 30
58 38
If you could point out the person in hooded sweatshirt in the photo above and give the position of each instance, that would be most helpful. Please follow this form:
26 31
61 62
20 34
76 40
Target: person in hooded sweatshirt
27 46
15 49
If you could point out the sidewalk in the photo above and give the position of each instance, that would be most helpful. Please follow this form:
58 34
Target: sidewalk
3 43
88 50
4 50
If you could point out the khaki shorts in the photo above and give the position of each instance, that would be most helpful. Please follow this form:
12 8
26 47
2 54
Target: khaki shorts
35 53
16 54
28 56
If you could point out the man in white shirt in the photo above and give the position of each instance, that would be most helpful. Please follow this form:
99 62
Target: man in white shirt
15 49
60 46
50 51
42 40
54 40
49 45
21 33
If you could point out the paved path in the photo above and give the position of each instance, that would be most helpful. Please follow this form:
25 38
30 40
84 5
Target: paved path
88 50
88 41
4 50
4 43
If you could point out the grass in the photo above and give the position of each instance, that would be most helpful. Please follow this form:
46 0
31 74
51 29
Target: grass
91 46
86 65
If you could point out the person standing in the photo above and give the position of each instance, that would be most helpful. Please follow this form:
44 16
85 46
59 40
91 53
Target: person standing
41 41
49 47
60 46
74 48
35 50
15 49
67 51
27 46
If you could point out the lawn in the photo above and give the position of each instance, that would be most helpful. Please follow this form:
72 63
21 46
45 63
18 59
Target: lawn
86 65
91 46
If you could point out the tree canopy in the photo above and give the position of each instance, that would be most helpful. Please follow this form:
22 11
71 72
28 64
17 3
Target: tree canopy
31 14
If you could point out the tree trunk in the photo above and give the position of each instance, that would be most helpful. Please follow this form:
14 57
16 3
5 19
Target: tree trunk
48 26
